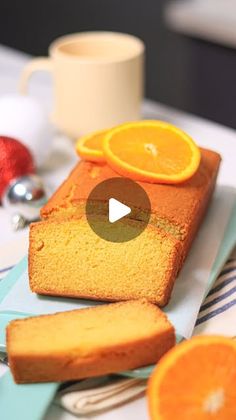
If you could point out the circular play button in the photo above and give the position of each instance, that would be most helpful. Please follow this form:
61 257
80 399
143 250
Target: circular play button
118 209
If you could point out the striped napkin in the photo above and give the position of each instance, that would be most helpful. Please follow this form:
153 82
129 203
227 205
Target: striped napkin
217 314
96 395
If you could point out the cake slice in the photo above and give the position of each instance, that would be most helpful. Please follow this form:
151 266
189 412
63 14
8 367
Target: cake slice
88 342
66 258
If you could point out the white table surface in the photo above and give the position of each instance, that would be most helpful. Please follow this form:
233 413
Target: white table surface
206 133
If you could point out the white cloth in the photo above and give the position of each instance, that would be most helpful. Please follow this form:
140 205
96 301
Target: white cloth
92 396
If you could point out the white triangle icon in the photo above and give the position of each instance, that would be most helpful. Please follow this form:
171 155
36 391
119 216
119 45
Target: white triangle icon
117 210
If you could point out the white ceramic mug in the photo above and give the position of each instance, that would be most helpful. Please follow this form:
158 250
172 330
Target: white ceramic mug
97 79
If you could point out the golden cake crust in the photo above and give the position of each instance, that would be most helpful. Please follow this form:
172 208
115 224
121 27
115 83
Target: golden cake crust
166 200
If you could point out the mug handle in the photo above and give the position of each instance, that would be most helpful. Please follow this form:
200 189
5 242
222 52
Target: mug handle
37 64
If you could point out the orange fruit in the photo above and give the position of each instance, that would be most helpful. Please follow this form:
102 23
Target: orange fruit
196 380
152 151
90 147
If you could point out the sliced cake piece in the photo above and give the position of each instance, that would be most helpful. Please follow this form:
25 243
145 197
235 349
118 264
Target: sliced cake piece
88 342
67 258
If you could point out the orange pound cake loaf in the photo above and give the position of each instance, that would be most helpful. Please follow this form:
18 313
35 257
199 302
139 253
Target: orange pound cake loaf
177 209
88 342
66 258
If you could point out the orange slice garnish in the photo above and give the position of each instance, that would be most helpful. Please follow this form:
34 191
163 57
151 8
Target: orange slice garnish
152 151
195 380
90 147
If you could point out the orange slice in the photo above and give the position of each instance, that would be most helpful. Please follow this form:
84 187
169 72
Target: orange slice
90 147
152 151
195 380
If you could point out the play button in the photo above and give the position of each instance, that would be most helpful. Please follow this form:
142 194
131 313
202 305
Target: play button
118 209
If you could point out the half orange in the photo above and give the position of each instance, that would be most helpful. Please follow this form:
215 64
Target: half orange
90 147
152 151
195 380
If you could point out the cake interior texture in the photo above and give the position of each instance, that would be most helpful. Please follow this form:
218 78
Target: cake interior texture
85 265
88 342
66 258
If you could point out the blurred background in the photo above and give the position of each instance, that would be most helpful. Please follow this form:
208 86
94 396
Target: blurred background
191 57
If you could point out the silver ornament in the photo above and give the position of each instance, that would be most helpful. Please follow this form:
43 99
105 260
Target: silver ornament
23 198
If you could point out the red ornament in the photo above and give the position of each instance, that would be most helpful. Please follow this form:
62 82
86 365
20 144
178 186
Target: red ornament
15 161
